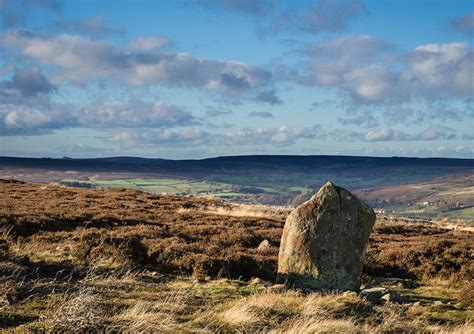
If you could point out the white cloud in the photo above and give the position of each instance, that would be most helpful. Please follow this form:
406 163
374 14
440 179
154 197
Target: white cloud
133 114
39 116
431 133
284 135
367 71
39 119
143 44
440 70
151 137
186 137
81 60
384 134
437 132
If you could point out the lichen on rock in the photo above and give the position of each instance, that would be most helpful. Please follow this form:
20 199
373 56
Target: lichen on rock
324 241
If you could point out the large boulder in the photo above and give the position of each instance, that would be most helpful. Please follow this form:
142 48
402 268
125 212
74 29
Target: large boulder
324 241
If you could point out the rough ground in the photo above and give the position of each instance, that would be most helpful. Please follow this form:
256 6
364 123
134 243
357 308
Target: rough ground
124 261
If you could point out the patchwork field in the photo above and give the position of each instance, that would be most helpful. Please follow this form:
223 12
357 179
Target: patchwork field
123 260
424 188
443 197
448 196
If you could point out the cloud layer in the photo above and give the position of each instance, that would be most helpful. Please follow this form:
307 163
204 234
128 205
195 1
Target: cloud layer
83 72
288 17
281 136
81 60
367 71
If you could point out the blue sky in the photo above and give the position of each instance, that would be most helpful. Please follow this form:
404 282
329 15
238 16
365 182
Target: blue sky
193 79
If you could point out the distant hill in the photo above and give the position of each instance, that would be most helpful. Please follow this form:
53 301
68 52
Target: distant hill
239 163
266 179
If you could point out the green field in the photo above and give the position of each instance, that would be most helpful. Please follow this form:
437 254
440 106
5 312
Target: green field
291 190
162 186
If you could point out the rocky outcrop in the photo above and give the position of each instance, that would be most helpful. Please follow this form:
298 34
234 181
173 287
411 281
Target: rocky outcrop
324 241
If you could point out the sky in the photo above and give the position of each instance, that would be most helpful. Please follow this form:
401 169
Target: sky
195 79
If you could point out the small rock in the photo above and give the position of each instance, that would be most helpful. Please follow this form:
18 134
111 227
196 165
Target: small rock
264 245
417 304
392 297
199 280
259 281
277 288
349 294
374 294
255 280
394 280
438 303
459 306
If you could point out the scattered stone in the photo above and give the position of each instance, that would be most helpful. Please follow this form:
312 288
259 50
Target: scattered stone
417 304
324 241
264 245
199 280
259 281
277 288
349 294
256 281
386 298
392 297
374 294
394 280
438 303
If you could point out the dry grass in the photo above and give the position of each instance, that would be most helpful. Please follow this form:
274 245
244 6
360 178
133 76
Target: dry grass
246 210
78 312
155 316
455 224
319 326
293 312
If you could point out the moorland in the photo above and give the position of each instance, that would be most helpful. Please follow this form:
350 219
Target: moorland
124 260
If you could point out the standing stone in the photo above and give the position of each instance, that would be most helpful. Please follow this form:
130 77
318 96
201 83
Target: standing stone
324 241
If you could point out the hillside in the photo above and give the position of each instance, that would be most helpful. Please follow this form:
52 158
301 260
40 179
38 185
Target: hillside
126 260
352 172
451 196
271 180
